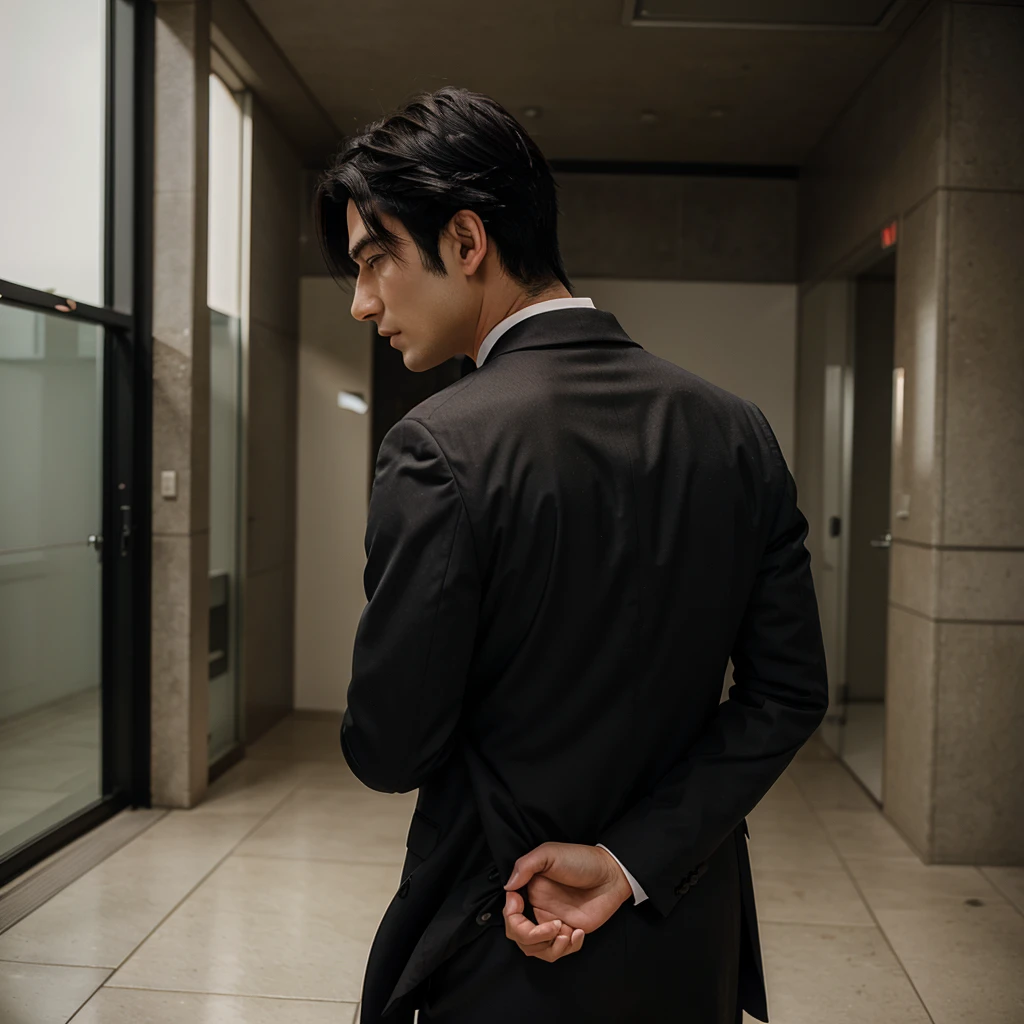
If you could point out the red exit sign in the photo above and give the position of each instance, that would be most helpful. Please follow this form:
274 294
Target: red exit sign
889 235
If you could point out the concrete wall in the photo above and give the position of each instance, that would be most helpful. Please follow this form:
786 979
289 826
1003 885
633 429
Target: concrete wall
934 140
334 460
658 227
678 228
271 442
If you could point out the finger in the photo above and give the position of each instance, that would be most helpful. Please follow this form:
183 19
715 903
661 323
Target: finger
560 947
526 933
536 862
539 950
514 904
521 929
564 944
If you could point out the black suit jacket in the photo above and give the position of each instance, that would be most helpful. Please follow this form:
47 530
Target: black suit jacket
564 549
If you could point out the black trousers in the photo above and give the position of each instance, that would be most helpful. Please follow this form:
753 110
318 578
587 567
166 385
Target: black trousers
639 967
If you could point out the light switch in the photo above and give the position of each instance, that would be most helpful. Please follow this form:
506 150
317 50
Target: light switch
169 484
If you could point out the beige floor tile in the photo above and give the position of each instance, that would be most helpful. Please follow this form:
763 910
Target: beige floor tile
902 884
38 994
129 1006
784 792
789 839
335 824
966 961
814 749
98 920
299 739
784 815
865 834
827 785
1010 882
333 774
269 927
828 975
195 832
809 896
251 787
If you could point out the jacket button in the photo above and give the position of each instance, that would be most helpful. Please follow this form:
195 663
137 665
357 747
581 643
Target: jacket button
683 889
694 878
403 890
484 917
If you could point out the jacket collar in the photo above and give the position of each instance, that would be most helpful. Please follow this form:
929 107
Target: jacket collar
560 327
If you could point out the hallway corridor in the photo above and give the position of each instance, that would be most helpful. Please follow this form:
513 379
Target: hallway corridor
258 907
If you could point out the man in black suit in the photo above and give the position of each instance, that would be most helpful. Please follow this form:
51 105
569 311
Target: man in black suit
564 550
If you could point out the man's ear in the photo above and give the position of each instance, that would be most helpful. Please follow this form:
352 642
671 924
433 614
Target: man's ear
469 238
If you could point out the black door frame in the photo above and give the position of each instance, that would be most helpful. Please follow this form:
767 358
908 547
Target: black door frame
126 318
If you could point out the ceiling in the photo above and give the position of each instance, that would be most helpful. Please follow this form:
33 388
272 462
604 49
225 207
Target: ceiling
603 86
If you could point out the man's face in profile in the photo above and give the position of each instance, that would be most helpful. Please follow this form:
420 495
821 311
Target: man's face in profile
429 318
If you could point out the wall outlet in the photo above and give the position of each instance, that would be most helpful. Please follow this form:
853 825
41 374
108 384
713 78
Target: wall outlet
169 484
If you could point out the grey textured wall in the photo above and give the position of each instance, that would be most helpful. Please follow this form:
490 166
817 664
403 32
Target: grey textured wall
271 447
678 228
657 227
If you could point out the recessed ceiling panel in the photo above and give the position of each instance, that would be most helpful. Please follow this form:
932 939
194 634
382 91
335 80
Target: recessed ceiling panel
778 14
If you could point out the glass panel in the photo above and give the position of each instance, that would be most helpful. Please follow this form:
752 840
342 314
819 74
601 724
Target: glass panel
225 224
224 299
224 590
51 380
53 80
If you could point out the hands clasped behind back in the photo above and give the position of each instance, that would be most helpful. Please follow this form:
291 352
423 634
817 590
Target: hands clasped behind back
573 889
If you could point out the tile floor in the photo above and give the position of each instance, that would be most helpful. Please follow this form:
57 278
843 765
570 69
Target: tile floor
863 743
258 908
49 766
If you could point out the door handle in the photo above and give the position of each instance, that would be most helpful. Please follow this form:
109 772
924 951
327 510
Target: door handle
126 529
95 541
885 541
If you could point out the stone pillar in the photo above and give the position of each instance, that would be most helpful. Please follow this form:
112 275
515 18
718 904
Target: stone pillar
955 731
181 405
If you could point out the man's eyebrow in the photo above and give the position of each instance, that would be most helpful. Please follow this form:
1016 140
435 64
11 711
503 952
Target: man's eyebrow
356 249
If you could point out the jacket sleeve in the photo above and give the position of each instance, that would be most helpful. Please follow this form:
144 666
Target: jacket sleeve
778 698
415 636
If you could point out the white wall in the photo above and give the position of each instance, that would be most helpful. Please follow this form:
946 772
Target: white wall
333 480
741 337
52 123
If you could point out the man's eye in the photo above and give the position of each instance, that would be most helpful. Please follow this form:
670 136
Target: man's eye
373 260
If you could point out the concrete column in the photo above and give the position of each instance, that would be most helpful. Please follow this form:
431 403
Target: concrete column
978 570
948 160
181 405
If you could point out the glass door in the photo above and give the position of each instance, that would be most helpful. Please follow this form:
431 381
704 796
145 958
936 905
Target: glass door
75 373
51 547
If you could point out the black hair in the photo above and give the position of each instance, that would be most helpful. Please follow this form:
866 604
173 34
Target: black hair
442 152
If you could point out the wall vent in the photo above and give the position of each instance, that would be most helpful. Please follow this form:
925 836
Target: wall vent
778 15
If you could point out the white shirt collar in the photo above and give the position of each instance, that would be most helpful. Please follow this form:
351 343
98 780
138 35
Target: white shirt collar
510 321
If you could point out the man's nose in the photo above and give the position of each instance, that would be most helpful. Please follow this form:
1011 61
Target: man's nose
365 304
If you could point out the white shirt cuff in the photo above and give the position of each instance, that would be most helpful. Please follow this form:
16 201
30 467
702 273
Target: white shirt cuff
638 893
